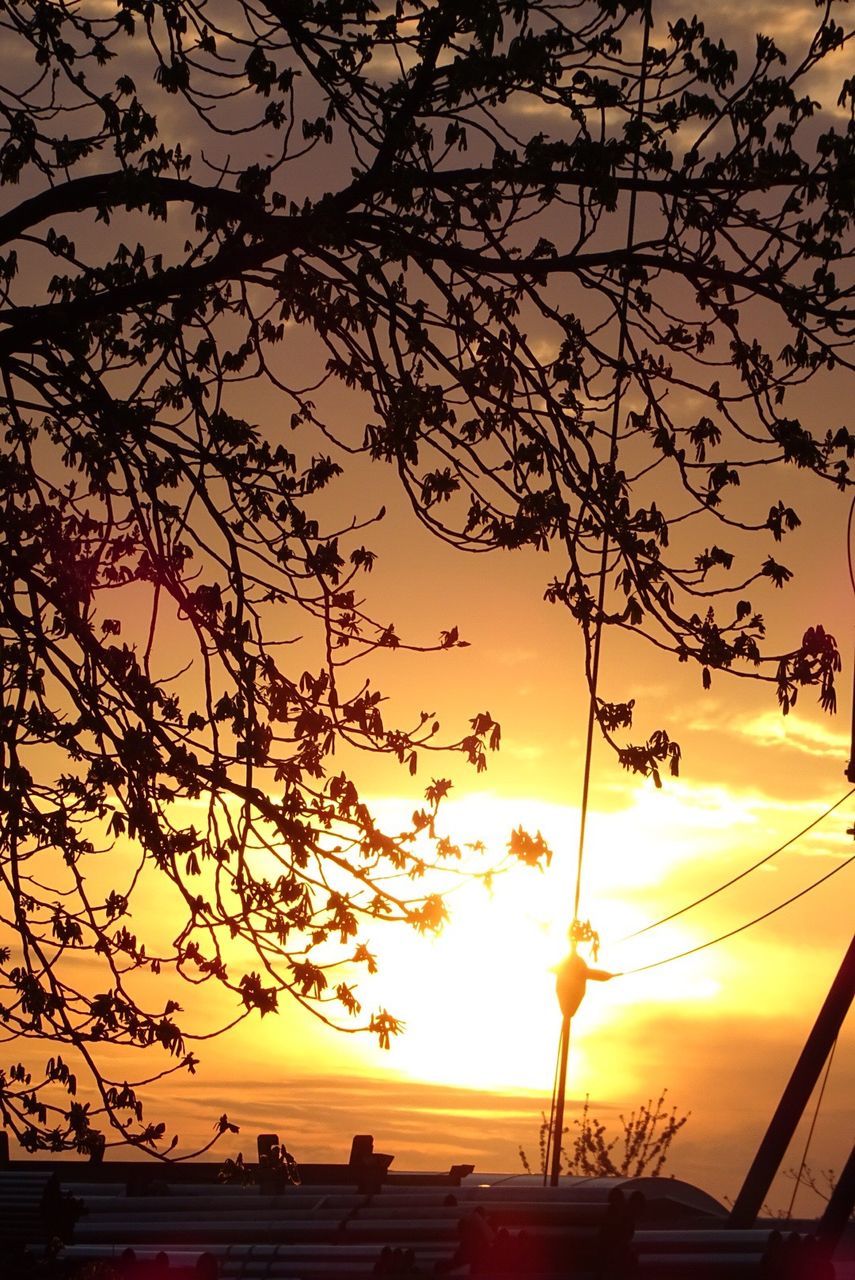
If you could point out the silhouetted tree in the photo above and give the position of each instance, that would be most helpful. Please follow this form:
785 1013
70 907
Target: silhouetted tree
261 249
640 1148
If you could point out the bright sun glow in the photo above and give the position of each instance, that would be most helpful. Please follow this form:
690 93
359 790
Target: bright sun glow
480 999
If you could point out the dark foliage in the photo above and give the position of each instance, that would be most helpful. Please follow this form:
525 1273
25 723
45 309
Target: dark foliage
640 1148
252 255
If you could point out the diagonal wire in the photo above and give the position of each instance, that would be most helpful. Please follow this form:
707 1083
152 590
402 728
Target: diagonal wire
690 906
849 544
619 384
711 942
549 1134
557 1109
810 1131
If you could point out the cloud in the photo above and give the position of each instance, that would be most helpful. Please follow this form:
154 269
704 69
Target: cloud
728 1074
810 737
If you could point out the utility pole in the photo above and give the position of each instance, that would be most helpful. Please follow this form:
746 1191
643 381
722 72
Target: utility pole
840 1206
801 1085
571 980
796 1095
558 1121
850 769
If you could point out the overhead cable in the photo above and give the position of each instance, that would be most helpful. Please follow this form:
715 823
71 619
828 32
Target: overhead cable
690 906
849 544
749 924
556 1115
809 1139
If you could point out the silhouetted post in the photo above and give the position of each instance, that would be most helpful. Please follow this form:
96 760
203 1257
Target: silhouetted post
570 983
850 771
267 1146
840 1206
361 1149
563 1051
796 1095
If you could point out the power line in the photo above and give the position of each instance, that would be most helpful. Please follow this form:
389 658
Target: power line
556 1115
742 874
690 906
550 1136
850 771
681 955
809 1138
849 544
594 668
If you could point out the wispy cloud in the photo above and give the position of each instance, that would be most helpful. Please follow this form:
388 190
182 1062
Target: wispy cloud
770 729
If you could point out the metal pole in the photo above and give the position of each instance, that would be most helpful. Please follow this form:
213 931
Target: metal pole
559 1103
796 1095
840 1205
850 771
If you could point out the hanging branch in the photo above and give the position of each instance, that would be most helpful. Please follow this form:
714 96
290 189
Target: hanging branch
260 252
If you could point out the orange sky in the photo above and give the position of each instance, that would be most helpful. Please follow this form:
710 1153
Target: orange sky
720 1030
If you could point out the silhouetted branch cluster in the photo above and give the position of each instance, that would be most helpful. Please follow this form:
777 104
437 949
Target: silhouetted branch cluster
640 1147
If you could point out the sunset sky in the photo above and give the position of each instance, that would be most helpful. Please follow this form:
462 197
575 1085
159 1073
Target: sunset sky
722 1029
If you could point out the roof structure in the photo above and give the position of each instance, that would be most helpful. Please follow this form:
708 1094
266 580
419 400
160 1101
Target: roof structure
123 1221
